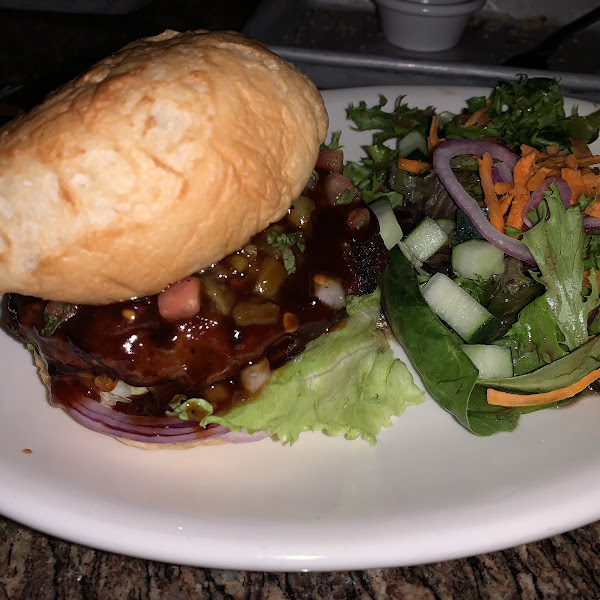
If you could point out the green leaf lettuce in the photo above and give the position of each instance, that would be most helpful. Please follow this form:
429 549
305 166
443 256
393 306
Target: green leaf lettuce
344 383
435 351
555 323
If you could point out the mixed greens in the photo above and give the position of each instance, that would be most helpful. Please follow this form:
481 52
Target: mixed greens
543 304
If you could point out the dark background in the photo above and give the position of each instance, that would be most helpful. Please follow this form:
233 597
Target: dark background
41 50
38 52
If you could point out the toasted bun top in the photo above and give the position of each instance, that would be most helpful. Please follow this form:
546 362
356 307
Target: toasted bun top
159 161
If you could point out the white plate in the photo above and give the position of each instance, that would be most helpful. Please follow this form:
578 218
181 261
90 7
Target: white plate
428 491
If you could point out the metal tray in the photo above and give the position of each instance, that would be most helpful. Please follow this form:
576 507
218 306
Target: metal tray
338 43
104 7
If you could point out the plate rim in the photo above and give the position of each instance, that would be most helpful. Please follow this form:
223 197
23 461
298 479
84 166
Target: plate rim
261 556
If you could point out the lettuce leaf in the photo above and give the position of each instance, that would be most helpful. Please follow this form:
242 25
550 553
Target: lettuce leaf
527 111
557 322
344 383
561 373
435 351
396 123
556 243
535 339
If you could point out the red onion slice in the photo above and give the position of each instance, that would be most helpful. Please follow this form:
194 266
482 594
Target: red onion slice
159 430
242 437
502 172
536 197
442 156
590 222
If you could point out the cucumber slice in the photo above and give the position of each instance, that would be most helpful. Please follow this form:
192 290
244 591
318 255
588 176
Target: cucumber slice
477 258
445 117
389 229
448 225
412 141
491 361
473 322
425 239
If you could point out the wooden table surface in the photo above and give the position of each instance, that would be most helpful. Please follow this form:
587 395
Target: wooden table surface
40 50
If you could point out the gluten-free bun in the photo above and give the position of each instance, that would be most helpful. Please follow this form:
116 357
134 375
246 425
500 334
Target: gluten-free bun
157 162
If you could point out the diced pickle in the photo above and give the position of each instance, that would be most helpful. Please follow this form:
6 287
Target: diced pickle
301 211
253 313
222 296
239 262
271 275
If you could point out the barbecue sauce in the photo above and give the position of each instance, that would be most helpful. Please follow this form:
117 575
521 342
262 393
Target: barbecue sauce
203 356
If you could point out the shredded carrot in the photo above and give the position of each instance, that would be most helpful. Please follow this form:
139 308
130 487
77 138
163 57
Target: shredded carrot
433 140
575 168
586 278
523 167
506 201
591 179
570 161
593 209
550 172
534 182
472 120
588 161
499 398
527 150
502 187
479 117
553 162
579 148
418 167
495 214
521 174
575 181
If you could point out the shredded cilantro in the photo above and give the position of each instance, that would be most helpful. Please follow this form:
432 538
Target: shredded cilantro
285 242
51 322
192 409
361 223
346 197
282 240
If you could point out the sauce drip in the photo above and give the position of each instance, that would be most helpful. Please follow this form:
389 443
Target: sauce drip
204 355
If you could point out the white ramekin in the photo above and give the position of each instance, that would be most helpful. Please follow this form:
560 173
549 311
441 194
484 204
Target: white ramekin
427 26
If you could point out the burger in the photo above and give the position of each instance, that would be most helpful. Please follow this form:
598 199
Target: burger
184 262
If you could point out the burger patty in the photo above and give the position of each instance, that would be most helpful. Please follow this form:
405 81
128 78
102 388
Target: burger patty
265 301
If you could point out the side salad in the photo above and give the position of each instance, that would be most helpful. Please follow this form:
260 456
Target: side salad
492 217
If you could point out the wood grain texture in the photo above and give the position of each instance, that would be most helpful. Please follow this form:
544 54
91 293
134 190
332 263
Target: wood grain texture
34 566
